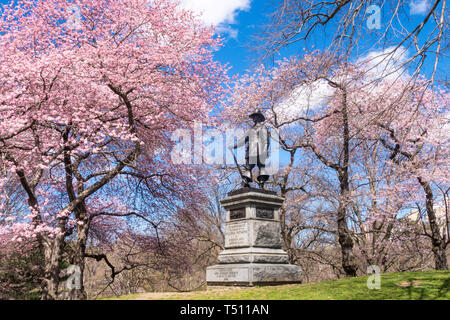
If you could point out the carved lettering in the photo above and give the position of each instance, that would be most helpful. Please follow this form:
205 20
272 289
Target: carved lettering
236 235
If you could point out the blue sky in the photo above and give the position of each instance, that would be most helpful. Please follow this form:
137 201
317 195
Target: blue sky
237 21
246 19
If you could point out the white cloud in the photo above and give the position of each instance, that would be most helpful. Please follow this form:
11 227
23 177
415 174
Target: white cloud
419 7
302 99
220 13
387 64
227 29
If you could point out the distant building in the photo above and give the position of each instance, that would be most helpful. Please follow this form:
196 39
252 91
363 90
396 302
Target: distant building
441 217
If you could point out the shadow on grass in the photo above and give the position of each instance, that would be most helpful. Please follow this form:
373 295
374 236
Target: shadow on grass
445 288
418 290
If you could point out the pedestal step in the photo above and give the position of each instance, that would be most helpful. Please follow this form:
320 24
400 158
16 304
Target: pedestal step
253 258
253 255
252 274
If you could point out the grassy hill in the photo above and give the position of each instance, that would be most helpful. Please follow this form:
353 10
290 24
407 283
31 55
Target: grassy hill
397 286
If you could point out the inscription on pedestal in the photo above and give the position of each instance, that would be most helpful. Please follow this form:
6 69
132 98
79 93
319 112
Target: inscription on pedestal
236 235
227 274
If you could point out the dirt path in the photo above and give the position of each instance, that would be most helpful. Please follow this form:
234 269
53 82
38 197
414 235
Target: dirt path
157 295
181 295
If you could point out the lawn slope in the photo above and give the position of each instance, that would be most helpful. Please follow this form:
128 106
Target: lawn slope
405 286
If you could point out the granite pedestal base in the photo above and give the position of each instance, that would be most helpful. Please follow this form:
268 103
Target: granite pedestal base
253 252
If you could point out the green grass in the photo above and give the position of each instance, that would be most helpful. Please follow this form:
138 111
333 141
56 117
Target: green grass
394 286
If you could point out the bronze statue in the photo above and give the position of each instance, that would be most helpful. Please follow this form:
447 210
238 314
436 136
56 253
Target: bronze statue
256 140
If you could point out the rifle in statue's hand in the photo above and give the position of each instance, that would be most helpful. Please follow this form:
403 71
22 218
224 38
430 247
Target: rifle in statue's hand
244 182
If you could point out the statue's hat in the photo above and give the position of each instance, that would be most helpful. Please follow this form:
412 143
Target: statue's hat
258 116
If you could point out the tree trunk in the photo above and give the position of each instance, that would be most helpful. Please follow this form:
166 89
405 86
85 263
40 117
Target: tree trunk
438 243
50 246
78 292
77 289
346 243
52 259
345 240
287 236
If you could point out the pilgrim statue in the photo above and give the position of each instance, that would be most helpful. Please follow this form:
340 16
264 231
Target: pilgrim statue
256 141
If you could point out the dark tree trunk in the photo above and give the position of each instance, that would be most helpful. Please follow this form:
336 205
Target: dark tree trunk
52 255
438 243
346 243
345 240
287 236
79 293
51 247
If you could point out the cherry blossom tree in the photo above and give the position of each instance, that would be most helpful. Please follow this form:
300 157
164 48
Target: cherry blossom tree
412 126
87 109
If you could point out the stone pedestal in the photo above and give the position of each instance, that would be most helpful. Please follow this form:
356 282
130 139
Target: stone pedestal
253 252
